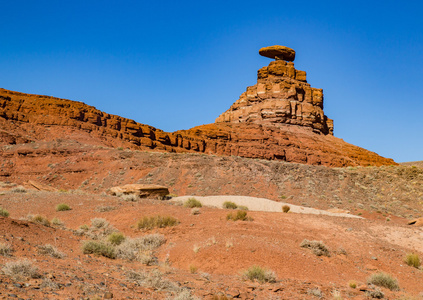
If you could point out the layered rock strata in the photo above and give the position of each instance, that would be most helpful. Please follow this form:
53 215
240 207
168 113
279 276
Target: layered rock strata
281 96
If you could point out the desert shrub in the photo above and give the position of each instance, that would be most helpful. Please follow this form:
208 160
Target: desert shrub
185 294
377 294
156 222
195 211
315 292
260 274
20 270
286 208
48 283
39 219
18 189
130 197
99 248
50 250
336 295
134 249
352 284
317 247
106 208
3 212
242 207
229 205
192 202
115 238
193 269
383 280
240 215
62 207
153 279
413 260
5 249
99 228
57 222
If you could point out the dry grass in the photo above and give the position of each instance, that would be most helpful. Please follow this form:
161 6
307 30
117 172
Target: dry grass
384 280
260 274
39 219
20 270
195 211
4 212
100 228
413 260
240 215
130 198
63 207
50 251
153 279
317 247
315 292
18 189
103 208
99 248
156 222
193 269
192 202
229 205
136 249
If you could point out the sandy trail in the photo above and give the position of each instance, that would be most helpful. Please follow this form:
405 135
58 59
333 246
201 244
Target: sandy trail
260 204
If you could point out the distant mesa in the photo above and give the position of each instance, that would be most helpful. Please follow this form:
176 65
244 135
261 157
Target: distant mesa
279 118
278 52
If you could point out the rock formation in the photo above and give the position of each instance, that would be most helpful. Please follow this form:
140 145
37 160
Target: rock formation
281 96
279 118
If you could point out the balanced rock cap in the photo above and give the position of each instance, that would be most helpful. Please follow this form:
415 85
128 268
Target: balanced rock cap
278 52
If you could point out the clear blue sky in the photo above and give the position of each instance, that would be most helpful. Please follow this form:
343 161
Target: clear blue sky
178 64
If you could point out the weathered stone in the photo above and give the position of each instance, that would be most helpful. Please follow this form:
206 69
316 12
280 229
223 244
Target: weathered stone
278 52
416 222
281 96
141 190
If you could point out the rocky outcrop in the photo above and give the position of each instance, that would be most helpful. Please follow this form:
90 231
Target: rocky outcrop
281 96
279 118
141 190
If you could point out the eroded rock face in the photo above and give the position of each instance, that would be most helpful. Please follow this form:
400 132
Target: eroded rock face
281 96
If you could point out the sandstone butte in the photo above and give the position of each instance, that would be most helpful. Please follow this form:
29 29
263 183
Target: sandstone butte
279 118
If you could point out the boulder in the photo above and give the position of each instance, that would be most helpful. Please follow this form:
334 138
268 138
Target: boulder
141 190
416 222
278 52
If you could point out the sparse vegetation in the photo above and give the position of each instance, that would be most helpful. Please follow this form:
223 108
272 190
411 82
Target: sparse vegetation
20 270
286 208
242 207
384 280
57 222
62 207
229 205
5 249
152 279
195 211
377 294
315 292
192 202
39 219
193 269
4 213
105 208
130 197
136 249
317 247
240 215
352 284
99 248
18 189
50 250
260 274
413 260
115 238
156 222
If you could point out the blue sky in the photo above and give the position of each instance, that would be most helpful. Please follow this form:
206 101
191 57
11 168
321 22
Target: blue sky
178 64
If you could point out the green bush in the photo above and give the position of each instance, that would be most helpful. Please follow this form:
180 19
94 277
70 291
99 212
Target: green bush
99 248
260 274
192 202
156 222
116 238
62 207
384 280
229 205
286 208
40 220
3 212
413 260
